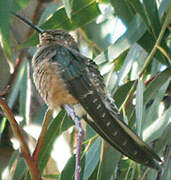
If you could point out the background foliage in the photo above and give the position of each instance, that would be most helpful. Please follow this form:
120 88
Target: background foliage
138 60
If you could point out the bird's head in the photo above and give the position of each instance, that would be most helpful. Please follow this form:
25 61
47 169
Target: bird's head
46 37
60 37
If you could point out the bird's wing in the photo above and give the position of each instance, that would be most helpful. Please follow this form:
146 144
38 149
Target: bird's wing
84 82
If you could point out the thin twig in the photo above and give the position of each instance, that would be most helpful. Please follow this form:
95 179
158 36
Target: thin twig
131 91
164 53
71 113
28 93
35 175
101 159
42 135
151 55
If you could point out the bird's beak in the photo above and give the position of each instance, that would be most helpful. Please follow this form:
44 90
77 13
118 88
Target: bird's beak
39 30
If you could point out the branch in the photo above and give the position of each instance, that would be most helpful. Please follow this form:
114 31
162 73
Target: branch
42 136
35 175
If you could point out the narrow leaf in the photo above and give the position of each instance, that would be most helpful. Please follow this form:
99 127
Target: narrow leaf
58 125
109 162
157 128
16 87
4 25
154 111
135 30
150 8
126 12
164 139
69 169
68 7
139 106
17 5
138 8
20 169
92 158
123 10
122 92
153 87
79 18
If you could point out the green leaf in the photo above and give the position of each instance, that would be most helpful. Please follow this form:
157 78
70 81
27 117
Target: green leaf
134 53
119 97
128 170
152 112
167 168
151 11
79 18
139 106
163 7
152 88
123 10
23 93
108 163
92 158
122 92
51 176
135 31
69 169
68 7
159 87
138 8
155 130
20 169
40 115
16 87
17 5
58 125
5 6
164 138
49 10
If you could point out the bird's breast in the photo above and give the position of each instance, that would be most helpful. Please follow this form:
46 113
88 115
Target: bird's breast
51 86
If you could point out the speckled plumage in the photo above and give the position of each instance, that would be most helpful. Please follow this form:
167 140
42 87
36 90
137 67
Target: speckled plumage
64 76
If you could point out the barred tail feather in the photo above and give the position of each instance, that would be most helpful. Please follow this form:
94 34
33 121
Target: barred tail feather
107 121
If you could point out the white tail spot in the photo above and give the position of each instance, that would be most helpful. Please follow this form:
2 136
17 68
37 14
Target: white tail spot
125 142
146 162
99 106
103 115
95 100
135 152
108 123
115 133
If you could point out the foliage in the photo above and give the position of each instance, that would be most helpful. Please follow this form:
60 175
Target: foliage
136 69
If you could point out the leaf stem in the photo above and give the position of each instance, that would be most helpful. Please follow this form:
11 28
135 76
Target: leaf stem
42 135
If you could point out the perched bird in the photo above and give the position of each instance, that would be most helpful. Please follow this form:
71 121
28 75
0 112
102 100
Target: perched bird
63 76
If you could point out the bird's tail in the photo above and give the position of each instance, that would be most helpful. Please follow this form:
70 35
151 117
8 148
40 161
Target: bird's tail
108 122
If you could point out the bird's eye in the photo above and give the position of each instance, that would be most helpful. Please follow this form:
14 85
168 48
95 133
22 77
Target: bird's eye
43 34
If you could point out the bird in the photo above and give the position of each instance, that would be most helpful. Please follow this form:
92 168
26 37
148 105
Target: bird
62 75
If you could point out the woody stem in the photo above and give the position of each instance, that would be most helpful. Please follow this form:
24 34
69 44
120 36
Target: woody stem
74 117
